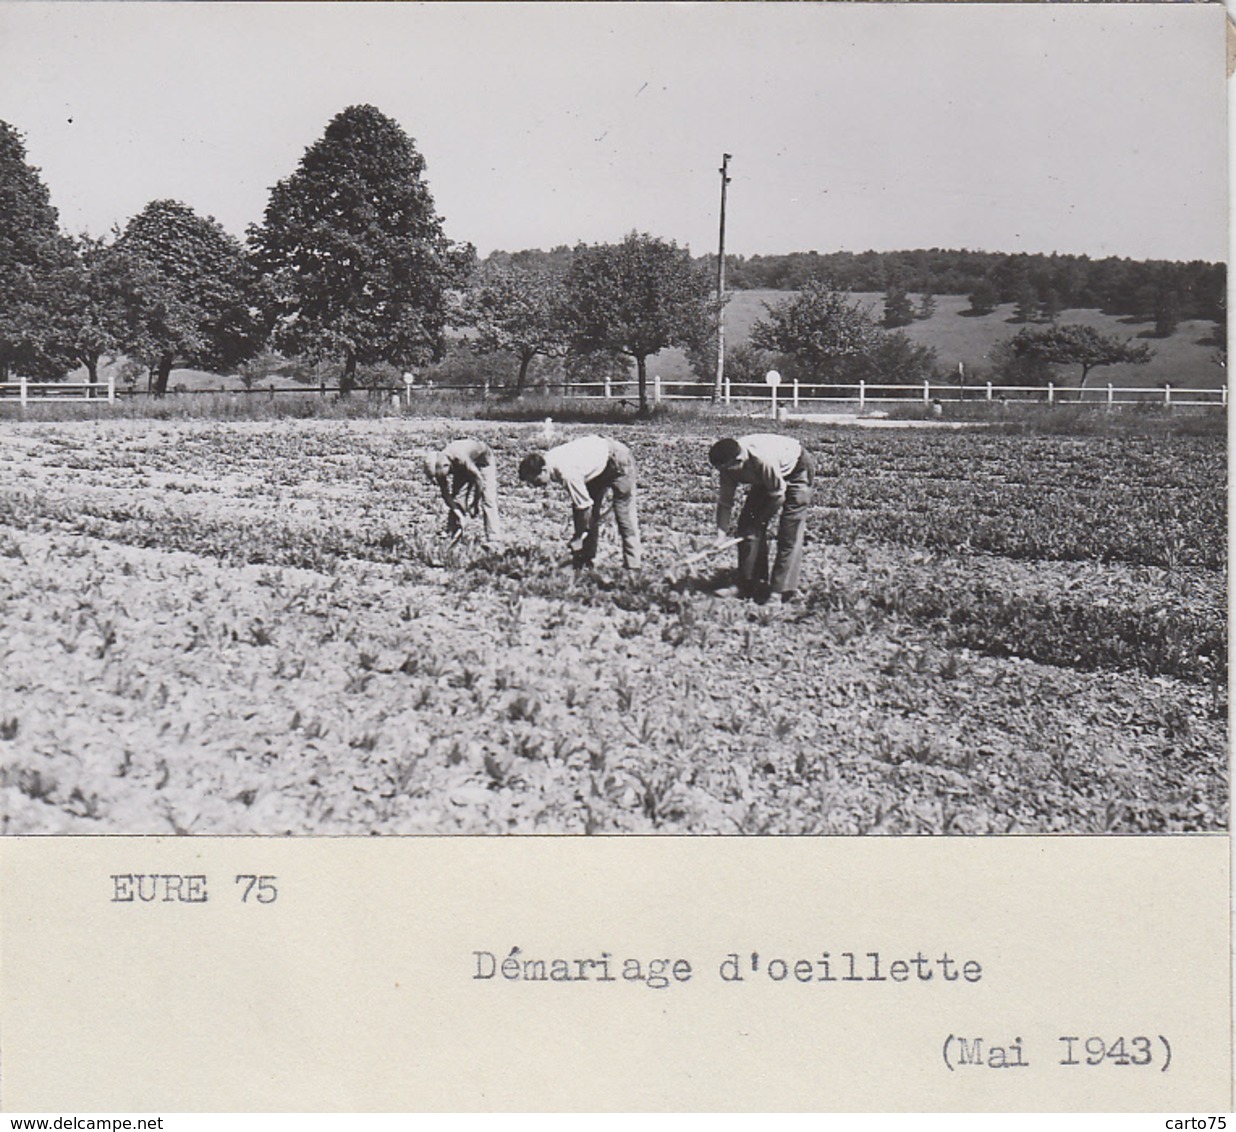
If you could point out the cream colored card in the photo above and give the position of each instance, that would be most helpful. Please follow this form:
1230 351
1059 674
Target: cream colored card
617 974
220 973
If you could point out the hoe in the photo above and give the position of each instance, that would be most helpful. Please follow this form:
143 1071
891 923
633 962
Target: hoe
680 571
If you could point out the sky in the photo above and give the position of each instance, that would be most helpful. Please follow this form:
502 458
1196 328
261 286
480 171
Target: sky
1095 129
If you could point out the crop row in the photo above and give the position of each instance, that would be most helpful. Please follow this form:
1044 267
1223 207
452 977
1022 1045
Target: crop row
982 604
1035 498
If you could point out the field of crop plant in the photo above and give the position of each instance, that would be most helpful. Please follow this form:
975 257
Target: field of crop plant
259 627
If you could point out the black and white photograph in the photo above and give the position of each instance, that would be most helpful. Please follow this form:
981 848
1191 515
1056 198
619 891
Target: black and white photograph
609 557
608 419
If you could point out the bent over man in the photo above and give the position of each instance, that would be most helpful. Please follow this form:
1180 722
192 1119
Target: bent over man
589 468
780 473
467 466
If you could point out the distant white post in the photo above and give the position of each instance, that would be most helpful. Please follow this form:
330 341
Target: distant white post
111 387
862 394
926 393
1109 394
21 391
656 388
1167 395
796 393
989 391
1051 392
772 380
407 388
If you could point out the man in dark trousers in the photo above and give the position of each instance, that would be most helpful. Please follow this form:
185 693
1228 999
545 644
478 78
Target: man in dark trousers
589 468
467 467
780 473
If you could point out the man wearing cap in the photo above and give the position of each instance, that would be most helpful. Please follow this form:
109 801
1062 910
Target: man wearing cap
589 468
780 473
467 466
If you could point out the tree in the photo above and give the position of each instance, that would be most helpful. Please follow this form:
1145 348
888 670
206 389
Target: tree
1166 310
820 329
92 315
356 263
187 292
898 310
637 298
926 306
36 263
749 365
596 367
1052 305
1077 344
518 310
1008 368
984 297
893 359
1027 301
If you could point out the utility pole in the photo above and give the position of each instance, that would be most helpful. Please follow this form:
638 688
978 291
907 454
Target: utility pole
719 388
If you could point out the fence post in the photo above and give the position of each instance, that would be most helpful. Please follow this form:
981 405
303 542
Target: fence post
21 388
1051 392
1224 399
926 393
989 391
1167 395
1109 394
111 388
656 388
727 390
862 394
609 389
796 393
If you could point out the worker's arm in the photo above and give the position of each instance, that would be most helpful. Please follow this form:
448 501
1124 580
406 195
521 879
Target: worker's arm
577 491
444 486
582 517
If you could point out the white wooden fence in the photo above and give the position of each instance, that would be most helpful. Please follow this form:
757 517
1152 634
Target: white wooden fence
790 395
26 391
863 394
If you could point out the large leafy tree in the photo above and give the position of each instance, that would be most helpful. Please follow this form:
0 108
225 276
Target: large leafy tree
187 292
637 298
36 262
518 310
1077 344
355 262
92 313
821 329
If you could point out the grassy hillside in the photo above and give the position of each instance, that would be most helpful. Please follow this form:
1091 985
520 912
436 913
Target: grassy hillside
1186 359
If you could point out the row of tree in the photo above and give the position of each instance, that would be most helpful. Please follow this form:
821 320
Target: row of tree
350 267
1041 285
1139 289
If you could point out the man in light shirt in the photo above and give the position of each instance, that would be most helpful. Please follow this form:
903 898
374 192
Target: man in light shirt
780 473
588 468
467 466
